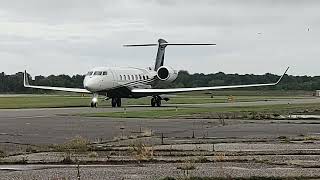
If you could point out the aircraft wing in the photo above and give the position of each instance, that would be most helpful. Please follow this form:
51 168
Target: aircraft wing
179 90
27 85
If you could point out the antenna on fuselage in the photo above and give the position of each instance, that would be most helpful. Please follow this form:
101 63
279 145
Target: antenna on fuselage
162 44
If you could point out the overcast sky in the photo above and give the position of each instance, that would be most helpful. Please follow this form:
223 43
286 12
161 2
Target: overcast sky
71 36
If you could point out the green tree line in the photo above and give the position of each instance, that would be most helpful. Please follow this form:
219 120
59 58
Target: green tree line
14 83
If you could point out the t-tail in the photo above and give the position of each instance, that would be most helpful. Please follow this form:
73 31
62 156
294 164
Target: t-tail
160 54
162 44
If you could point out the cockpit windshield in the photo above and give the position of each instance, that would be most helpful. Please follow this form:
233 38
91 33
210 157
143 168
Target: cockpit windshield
97 73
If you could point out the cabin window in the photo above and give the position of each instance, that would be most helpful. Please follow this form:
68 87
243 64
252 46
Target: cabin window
128 77
132 77
105 73
147 77
144 78
120 77
98 73
140 77
124 77
137 77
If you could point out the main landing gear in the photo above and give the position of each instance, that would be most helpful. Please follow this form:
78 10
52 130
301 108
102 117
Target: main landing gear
116 102
156 101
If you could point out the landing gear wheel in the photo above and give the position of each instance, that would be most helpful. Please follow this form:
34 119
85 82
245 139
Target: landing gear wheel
156 101
113 102
93 105
118 101
153 102
94 101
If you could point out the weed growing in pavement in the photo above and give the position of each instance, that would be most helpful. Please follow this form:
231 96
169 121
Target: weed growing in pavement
77 144
67 159
142 152
186 168
93 154
31 149
2 154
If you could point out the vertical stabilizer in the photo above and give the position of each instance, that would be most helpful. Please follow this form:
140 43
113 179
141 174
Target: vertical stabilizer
160 54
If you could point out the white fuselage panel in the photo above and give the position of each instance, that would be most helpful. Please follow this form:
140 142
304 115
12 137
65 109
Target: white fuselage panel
104 79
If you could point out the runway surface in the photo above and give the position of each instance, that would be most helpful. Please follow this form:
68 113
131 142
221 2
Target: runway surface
47 126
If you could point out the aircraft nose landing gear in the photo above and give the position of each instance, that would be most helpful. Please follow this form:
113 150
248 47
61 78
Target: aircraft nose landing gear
94 101
93 105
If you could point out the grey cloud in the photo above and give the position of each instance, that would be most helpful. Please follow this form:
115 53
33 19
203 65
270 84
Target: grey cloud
252 36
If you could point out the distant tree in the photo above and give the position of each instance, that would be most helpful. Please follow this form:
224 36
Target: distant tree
14 83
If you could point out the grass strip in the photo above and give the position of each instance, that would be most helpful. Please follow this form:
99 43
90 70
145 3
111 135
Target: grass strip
209 112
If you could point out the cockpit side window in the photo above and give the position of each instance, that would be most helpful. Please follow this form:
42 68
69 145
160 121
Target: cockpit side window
98 73
89 73
105 73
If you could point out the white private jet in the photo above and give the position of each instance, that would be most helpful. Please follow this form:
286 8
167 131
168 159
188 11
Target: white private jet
128 82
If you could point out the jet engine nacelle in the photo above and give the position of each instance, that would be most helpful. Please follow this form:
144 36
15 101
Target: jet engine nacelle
167 74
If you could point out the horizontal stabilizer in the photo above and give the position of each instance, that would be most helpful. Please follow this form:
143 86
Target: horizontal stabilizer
137 45
162 44
189 44
173 44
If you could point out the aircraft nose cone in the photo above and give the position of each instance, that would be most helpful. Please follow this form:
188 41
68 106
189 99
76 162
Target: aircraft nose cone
86 83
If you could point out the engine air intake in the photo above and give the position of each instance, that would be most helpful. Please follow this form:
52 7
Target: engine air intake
166 74
163 73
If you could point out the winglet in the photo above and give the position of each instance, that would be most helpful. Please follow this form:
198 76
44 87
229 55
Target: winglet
282 76
25 79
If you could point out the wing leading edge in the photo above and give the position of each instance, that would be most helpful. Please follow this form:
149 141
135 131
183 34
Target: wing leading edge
178 90
27 85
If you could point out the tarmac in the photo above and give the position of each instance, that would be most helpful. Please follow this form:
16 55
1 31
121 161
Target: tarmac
51 125
236 148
